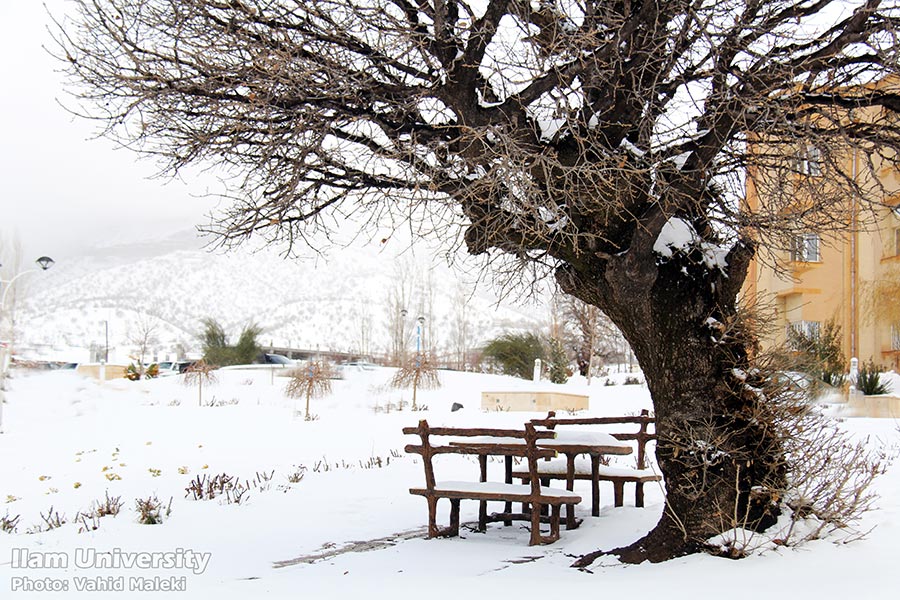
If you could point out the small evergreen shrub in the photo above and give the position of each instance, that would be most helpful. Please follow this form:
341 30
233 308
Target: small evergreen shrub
516 353
869 380
559 362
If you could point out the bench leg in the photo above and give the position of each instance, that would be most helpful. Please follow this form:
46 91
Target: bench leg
570 516
535 525
595 485
432 517
545 482
525 506
454 517
639 494
619 492
554 524
507 507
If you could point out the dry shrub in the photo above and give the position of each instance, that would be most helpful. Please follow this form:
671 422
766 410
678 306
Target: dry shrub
150 510
90 519
52 520
9 524
311 381
199 374
421 372
828 473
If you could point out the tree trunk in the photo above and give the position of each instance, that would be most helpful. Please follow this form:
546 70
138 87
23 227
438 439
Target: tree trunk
719 461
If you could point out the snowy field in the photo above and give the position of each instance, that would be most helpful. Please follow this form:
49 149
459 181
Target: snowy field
348 527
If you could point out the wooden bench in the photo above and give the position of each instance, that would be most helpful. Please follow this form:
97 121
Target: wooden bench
618 476
490 441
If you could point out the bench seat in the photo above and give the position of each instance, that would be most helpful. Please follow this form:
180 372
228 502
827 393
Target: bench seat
489 490
483 442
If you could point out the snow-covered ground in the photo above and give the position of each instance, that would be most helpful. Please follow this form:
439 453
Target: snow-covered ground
348 527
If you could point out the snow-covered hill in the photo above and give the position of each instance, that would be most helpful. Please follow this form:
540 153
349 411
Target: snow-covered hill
340 302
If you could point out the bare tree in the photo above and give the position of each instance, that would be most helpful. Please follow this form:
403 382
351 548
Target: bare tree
10 268
419 372
399 298
362 320
198 374
310 381
585 319
142 334
460 325
606 143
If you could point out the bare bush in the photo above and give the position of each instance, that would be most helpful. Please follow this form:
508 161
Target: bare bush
199 374
297 474
52 520
151 511
8 524
90 519
228 487
419 372
311 381
828 474
204 487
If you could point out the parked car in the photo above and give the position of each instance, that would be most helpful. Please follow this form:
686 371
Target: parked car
278 360
167 368
184 365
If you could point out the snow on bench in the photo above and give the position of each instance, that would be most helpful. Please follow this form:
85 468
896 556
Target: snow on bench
617 475
469 489
504 442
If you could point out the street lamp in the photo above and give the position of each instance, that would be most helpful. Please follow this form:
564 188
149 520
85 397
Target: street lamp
420 325
401 350
44 263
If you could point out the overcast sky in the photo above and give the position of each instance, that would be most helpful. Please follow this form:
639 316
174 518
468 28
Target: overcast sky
60 189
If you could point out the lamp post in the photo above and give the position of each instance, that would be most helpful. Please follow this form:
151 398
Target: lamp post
44 263
401 350
420 324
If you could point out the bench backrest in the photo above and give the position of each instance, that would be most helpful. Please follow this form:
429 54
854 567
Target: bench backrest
643 434
529 450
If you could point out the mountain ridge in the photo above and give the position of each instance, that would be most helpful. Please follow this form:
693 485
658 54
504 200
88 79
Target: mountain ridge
341 302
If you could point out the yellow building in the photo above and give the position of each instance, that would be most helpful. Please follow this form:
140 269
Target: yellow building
853 278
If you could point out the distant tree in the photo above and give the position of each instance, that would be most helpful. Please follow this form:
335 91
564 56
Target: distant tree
247 348
558 361
460 325
823 350
199 374
417 372
310 381
516 353
10 266
399 298
881 295
215 343
142 334
217 351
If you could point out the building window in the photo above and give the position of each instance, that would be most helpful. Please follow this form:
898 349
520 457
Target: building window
895 336
810 161
801 333
806 248
897 241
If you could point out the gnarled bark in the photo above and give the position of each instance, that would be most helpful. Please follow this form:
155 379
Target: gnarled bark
720 462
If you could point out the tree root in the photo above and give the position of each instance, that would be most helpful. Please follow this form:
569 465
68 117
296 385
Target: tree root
657 546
